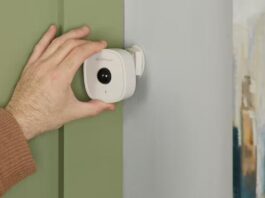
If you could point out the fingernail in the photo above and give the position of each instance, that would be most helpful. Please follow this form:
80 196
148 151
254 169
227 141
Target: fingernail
86 28
104 42
51 27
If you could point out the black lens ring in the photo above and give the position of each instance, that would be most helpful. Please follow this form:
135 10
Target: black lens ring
104 75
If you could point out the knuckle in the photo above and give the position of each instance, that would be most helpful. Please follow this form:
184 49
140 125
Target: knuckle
71 42
56 41
41 67
79 49
76 32
41 63
86 49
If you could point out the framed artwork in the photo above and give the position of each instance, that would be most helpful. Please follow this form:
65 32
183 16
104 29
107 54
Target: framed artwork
249 117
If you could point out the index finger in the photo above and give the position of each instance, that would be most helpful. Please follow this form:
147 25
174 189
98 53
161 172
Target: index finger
72 34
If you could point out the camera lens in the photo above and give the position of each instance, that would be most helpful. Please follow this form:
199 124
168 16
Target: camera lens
104 75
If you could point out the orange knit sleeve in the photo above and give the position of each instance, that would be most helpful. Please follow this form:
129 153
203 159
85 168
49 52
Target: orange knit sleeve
16 161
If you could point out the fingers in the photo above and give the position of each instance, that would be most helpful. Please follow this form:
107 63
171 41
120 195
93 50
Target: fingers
65 49
43 44
92 108
73 34
78 55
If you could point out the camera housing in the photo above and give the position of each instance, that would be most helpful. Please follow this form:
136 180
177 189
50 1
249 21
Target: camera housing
110 75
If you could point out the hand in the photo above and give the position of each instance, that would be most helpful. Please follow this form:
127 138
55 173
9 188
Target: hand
43 98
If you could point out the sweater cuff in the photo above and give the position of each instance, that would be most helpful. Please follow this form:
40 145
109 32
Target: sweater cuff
16 161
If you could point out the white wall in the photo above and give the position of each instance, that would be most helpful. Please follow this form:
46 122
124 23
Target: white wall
178 126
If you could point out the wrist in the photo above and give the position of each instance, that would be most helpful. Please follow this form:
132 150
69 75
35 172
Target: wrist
20 118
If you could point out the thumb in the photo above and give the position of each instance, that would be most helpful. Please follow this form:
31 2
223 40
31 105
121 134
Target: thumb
92 108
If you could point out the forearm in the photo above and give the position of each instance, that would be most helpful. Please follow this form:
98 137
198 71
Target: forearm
16 161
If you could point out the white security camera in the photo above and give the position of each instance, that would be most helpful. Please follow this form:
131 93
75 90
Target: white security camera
110 75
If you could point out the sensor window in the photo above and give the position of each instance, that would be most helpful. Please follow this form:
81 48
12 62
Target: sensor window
104 75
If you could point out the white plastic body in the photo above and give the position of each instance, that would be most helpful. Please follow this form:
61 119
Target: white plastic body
139 59
122 66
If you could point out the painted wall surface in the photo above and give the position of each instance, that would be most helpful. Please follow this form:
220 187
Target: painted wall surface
93 146
85 158
178 126
22 24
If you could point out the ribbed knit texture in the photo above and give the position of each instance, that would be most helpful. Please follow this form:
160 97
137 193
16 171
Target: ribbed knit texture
16 161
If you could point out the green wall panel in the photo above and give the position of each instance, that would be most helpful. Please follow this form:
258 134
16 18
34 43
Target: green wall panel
22 24
85 159
93 147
